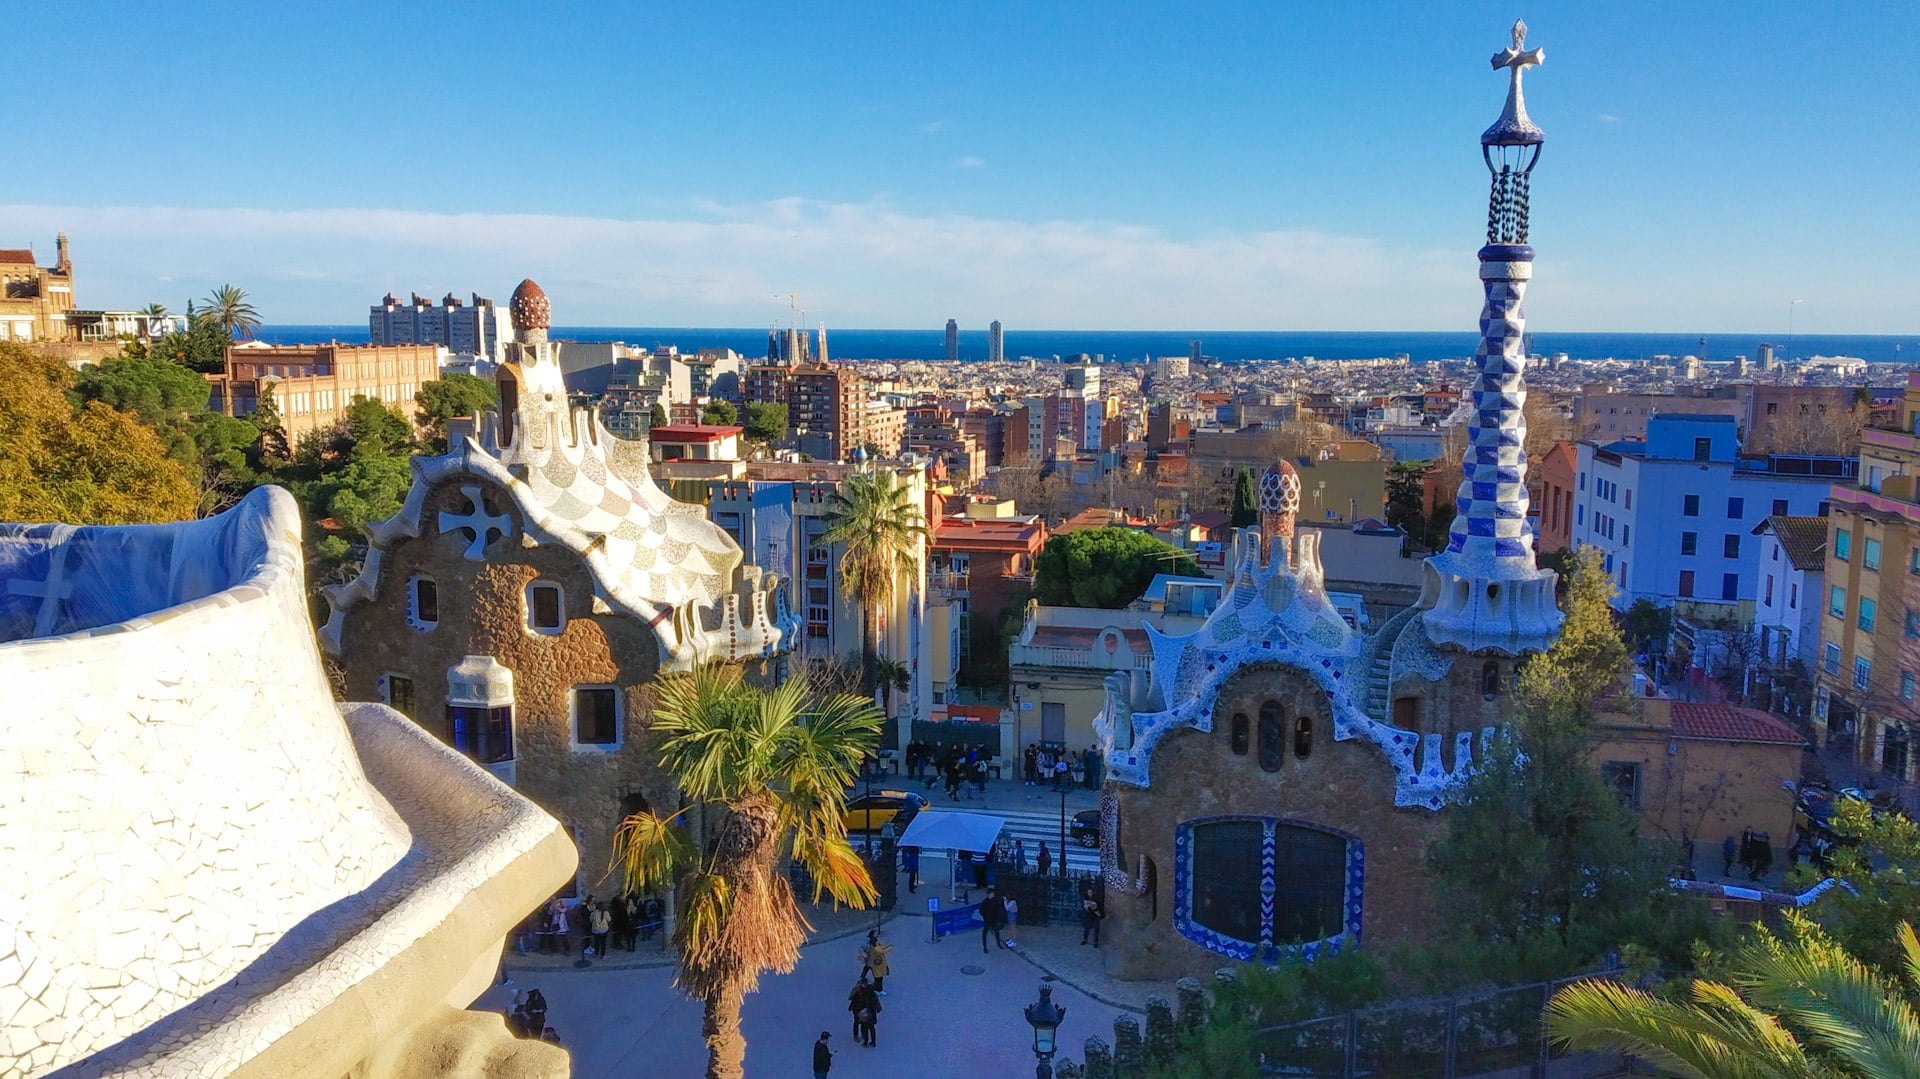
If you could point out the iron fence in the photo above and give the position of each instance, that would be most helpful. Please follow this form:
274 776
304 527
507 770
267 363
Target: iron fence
1496 1034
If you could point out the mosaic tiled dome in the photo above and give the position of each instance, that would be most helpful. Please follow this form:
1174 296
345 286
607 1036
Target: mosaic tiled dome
529 306
1280 489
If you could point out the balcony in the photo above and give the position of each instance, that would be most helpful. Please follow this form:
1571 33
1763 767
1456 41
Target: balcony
948 582
1034 655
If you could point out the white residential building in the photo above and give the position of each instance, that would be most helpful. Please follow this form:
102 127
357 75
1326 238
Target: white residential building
1792 565
1673 516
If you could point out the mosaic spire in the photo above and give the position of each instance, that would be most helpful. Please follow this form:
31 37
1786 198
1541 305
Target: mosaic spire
1485 592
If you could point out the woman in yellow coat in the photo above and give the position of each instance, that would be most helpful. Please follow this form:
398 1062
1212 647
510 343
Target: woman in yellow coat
873 960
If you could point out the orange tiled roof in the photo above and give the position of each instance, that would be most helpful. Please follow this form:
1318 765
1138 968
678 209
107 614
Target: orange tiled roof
1728 723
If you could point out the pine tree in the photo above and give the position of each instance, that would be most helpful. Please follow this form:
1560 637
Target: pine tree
1246 507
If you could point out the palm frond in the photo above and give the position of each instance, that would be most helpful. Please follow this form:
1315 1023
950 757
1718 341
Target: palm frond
705 900
835 868
1720 1037
650 852
1843 1007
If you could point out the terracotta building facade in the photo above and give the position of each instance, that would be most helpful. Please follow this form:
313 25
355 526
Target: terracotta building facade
530 591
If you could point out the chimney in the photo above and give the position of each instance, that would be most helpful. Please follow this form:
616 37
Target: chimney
65 265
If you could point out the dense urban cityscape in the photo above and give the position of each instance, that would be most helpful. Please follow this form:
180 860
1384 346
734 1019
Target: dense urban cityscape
472 695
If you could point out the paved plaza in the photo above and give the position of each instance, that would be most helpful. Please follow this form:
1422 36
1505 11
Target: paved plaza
938 1021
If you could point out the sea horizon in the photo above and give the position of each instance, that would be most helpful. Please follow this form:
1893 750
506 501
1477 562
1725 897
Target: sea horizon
1232 346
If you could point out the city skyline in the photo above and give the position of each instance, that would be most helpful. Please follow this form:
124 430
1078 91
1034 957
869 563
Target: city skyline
1244 169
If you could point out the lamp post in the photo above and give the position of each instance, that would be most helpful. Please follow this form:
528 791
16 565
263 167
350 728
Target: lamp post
1063 829
1044 1016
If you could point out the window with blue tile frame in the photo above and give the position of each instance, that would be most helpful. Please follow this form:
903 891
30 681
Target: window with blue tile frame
1251 887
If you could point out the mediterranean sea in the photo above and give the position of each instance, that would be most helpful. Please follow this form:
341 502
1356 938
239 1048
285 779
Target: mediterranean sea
1233 346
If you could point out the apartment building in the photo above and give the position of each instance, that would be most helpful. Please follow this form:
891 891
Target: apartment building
1864 697
1673 516
314 385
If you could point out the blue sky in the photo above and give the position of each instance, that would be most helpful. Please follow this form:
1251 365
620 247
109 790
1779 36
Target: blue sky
1222 166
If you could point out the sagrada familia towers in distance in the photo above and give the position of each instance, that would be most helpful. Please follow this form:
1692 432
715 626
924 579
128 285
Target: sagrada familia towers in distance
1275 777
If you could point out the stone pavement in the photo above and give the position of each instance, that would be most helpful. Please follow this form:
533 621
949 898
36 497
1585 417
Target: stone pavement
938 1020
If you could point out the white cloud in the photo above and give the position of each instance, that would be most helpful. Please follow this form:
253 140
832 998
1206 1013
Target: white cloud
972 162
1608 119
934 127
874 264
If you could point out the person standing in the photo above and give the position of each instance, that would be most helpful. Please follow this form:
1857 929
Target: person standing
1043 862
822 1056
1013 919
1019 856
910 861
600 923
873 960
1031 758
993 917
1095 765
1060 773
1728 851
1090 916
622 914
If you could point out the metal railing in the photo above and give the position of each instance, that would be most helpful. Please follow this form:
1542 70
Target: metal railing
1044 655
1499 1032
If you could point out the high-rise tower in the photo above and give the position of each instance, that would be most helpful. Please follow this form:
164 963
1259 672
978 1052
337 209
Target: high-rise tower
1485 592
996 343
953 340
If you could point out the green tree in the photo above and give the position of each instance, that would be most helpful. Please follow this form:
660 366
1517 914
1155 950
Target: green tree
774 768
1536 843
766 421
1648 623
719 412
375 428
1407 498
271 453
202 348
891 676
163 394
873 518
450 396
1795 1008
656 416
1245 507
1878 862
229 308
1104 567
84 464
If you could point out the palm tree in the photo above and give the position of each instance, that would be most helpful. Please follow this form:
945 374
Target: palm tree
873 518
154 312
891 675
228 306
1803 1009
778 764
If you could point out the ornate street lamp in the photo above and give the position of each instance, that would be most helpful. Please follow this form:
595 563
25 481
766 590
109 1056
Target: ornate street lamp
1045 1017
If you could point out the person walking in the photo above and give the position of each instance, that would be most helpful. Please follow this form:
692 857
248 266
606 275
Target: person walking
1019 856
865 1006
1043 861
993 917
1729 850
980 777
822 1056
600 923
910 861
622 912
1013 919
1090 916
536 1013
873 960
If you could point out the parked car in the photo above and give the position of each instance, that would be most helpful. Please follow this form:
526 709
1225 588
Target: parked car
1085 828
871 812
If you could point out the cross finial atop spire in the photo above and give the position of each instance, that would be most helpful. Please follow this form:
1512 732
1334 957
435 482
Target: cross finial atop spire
1513 128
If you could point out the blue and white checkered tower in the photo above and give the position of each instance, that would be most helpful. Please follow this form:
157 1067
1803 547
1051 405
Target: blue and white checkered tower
1484 592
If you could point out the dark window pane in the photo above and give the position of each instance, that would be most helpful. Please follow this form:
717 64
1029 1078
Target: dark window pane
1310 880
1240 734
426 600
595 713
1226 878
545 603
499 745
1272 737
484 734
400 694
1303 736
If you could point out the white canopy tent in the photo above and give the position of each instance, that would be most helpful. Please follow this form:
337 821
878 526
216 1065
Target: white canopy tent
976 832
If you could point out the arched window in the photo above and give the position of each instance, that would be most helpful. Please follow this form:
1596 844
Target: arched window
1252 880
1240 734
1273 746
1303 737
1490 680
